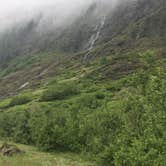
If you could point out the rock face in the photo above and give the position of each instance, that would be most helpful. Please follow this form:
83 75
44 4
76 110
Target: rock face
10 150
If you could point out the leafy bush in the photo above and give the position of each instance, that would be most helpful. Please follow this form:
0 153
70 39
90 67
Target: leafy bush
100 95
88 100
19 100
21 130
142 138
59 92
104 61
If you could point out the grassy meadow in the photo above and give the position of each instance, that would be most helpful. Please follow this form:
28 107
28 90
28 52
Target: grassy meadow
33 157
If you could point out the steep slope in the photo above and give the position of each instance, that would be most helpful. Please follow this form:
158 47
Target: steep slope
142 19
129 24
95 87
126 24
128 27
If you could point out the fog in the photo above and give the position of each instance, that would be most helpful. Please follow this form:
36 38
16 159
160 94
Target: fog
14 11
59 12
23 22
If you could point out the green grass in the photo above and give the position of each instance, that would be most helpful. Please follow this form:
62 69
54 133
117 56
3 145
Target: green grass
4 103
33 157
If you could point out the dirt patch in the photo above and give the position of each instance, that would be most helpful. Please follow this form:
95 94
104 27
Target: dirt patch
10 150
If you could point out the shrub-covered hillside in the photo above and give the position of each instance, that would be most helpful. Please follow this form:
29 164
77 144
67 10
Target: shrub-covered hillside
95 87
119 120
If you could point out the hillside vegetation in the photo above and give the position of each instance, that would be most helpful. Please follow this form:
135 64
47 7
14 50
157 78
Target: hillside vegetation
112 112
97 89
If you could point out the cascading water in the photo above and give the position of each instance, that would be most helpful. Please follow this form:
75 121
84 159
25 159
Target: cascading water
95 37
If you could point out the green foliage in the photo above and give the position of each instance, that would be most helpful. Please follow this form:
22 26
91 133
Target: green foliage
142 140
120 123
148 58
59 92
6 123
104 61
100 95
21 130
88 101
19 100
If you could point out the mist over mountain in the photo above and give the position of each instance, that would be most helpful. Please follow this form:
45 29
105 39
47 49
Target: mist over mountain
74 26
58 11
84 79
14 12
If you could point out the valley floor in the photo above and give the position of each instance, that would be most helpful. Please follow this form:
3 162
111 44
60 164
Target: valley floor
33 157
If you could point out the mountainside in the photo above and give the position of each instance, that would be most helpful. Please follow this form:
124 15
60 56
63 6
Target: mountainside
130 24
125 25
95 86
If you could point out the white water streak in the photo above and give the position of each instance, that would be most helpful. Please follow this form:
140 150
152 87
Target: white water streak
95 36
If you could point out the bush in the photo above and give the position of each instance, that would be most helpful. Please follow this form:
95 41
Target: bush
104 61
141 141
88 101
19 100
59 92
21 130
100 95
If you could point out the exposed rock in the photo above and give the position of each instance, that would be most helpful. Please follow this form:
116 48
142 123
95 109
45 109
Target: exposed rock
10 150
24 85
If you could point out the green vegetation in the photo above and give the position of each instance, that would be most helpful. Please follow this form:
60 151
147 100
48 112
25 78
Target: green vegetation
114 121
107 103
19 100
59 92
33 157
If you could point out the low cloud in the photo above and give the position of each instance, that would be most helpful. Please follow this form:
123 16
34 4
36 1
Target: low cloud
58 12
12 12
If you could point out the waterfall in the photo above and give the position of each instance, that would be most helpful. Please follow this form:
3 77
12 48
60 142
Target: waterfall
95 37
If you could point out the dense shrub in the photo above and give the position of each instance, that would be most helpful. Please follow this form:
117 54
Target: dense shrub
21 130
100 95
59 92
20 100
88 101
142 140
104 61
127 135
